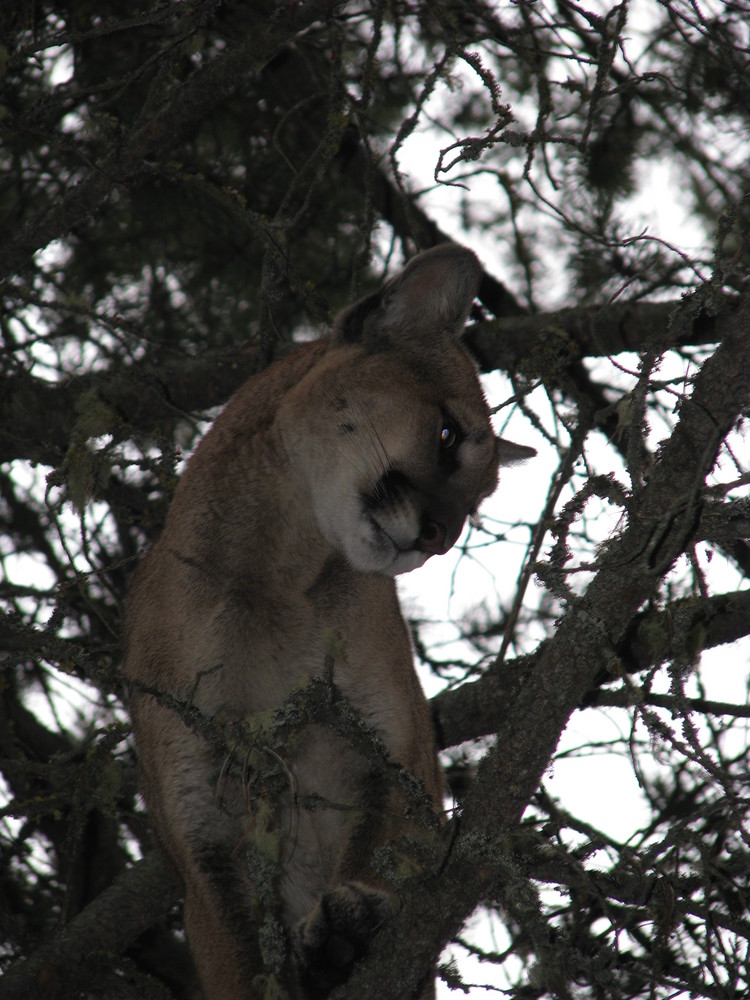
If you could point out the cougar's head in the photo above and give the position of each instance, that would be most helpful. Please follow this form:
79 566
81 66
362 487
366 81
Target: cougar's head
396 437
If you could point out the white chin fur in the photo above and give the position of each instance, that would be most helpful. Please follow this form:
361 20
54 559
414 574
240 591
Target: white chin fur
373 559
368 546
370 549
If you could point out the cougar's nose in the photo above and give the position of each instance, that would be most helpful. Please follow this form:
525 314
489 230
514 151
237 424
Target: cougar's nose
432 538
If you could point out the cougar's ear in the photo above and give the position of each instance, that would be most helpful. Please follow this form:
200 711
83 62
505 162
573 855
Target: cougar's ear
510 453
429 299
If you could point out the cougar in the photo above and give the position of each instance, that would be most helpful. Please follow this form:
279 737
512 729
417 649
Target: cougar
353 459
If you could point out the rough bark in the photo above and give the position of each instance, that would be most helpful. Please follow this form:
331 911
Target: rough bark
662 520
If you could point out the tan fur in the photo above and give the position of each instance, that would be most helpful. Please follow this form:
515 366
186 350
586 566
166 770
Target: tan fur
351 460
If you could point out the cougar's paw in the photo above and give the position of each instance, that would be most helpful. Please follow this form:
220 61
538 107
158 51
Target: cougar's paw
336 935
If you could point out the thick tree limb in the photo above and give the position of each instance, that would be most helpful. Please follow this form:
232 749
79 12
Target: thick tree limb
148 396
681 630
517 342
142 396
662 519
97 936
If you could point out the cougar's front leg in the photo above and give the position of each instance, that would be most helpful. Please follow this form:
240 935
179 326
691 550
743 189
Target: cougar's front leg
337 931
222 957
196 816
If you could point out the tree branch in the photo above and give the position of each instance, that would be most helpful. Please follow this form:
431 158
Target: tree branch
149 396
682 629
510 343
97 936
144 396
664 512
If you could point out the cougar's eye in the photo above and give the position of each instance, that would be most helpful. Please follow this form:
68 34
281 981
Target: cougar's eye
448 435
